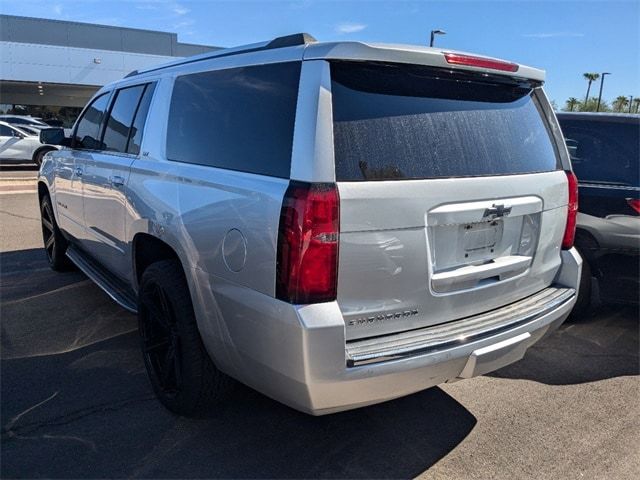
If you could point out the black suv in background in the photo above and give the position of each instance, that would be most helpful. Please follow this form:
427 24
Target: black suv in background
604 150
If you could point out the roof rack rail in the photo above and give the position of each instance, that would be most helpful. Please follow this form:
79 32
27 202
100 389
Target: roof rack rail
279 42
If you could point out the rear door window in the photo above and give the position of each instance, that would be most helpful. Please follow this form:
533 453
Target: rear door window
603 151
394 122
124 107
87 133
237 119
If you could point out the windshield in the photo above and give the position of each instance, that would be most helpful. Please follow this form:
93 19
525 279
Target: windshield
414 122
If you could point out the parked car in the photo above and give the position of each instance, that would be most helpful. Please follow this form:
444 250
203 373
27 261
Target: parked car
605 153
33 131
19 120
333 224
18 146
54 122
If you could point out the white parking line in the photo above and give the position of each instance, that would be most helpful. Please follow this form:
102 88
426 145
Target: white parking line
18 192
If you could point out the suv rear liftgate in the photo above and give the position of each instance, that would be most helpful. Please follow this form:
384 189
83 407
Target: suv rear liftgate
453 200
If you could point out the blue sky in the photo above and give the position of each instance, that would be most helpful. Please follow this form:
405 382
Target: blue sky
566 38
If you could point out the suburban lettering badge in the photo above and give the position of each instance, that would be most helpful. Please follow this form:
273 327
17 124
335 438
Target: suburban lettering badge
381 317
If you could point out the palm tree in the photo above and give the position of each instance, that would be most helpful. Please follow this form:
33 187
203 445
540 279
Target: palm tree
591 77
619 103
636 104
572 103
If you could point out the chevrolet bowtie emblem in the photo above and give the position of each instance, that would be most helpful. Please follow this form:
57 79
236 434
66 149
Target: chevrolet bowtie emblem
496 211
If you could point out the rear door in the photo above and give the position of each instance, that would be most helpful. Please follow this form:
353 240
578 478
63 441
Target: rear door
453 199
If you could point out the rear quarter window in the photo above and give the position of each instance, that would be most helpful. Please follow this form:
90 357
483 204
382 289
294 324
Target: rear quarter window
238 119
412 122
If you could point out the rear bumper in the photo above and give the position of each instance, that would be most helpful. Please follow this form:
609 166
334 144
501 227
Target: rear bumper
457 333
298 355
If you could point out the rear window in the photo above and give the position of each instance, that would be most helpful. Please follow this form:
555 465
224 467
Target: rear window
237 119
603 151
412 122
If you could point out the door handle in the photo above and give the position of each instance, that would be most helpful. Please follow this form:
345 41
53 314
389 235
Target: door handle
116 180
78 171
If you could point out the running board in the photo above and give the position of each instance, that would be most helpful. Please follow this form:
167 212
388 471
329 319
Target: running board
105 280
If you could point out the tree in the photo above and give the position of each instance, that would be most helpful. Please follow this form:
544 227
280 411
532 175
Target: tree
636 104
592 104
619 103
590 77
571 104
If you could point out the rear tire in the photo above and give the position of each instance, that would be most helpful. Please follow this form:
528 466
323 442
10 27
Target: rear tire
55 245
182 375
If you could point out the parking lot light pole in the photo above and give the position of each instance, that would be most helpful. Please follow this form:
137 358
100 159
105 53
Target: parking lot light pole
433 35
601 84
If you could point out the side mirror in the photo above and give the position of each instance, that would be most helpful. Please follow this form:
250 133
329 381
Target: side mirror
54 136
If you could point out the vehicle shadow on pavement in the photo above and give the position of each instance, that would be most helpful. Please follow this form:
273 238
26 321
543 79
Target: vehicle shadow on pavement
76 403
596 347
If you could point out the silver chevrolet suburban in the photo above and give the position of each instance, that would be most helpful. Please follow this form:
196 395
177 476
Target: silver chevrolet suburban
332 224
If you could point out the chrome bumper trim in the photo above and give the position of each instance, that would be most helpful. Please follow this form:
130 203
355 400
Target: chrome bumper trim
415 342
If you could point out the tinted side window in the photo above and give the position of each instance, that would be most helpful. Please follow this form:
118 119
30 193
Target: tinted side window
605 152
121 115
395 122
5 131
135 136
87 135
238 119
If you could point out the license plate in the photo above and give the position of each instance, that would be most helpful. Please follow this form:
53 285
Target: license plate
481 236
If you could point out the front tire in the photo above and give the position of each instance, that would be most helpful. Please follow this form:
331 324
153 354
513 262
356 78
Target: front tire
182 375
55 245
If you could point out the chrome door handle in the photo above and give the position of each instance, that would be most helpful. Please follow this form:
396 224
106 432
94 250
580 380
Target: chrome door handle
116 181
78 171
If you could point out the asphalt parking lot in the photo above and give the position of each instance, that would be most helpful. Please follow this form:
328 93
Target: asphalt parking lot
76 403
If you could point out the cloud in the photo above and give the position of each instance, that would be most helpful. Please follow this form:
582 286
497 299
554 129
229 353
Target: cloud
180 10
186 23
349 27
147 6
57 9
552 34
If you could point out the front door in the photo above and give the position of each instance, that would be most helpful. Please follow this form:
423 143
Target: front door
13 145
70 166
105 180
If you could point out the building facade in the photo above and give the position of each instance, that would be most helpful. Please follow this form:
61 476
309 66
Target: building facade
50 68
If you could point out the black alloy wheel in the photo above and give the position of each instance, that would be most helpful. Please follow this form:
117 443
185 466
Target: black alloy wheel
160 340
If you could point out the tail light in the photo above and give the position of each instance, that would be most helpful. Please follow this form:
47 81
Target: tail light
634 203
307 267
572 212
471 61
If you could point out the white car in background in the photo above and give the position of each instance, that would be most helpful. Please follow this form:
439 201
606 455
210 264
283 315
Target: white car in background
20 146
20 120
